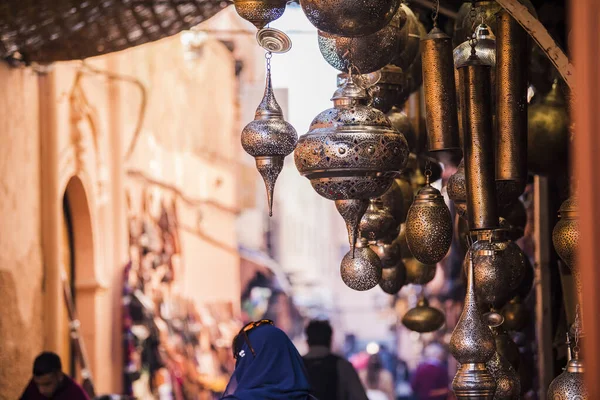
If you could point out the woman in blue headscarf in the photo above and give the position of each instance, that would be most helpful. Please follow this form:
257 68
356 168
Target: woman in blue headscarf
268 366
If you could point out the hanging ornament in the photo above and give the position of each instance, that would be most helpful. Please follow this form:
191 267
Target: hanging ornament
570 385
388 253
508 384
350 17
565 235
423 318
429 225
352 211
366 53
273 40
512 60
393 278
548 139
391 89
260 12
478 143
351 151
411 34
485 48
269 138
401 123
472 345
377 222
457 190
439 88
516 316
361 269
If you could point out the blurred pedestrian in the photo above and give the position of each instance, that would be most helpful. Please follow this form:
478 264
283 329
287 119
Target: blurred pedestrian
331 376
268 366
378 381
49 382
430 380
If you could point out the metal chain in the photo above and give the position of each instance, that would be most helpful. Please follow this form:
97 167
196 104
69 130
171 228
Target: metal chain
436 12
268 56
577 324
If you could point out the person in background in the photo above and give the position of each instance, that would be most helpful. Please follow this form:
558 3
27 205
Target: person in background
49 382
331 376
378 381
268 366
430 380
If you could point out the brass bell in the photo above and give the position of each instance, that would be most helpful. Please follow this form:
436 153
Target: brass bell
269 138
472 345
516 315
565 235
367 53
508 384
377 222
350 18
548 138
260 12
423 318
429 226
362 270
440 91
570 385
393 278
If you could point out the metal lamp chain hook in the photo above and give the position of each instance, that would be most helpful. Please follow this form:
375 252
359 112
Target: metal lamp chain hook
268 56
577 332
436 12
427 171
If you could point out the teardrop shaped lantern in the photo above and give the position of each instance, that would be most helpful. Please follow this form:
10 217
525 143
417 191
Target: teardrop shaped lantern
429 226
472 345
260 12
508 384
269 138
423 318
570 385
565 235
367 53
350 18
351 151
393 278
352 211
362 270
377 222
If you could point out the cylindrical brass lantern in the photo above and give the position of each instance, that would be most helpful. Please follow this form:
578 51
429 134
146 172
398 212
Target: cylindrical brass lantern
512 53
478 145
440 91
429 226
423 318
472 345
260 12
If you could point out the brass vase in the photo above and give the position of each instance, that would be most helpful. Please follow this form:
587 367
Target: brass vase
440 91
350 18
260 12
472 345
423 318
548 138
393 278
361 269
269 138
429 226
508 384
565 235
570 385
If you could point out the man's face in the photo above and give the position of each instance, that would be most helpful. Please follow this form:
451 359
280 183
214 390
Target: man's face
48 383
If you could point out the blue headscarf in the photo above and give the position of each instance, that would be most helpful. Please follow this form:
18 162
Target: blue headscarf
275 372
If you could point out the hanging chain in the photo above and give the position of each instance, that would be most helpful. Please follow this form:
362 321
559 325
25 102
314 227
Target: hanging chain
268 56
473 18
436 13
577 332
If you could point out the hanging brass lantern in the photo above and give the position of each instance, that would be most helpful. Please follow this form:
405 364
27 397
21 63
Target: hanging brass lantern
472 345
393 202
512 60
440 91
485 12
367 53
393 278
260 12
508 384
377 222
361 269
457 190
516 316
411 34
388 253
548 138
565 235
391 89
570 385
269 138
423 318
485 48
351 151
418 273
350 18
429 226
401 123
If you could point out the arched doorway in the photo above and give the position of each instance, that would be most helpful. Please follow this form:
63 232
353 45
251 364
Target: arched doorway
77 261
